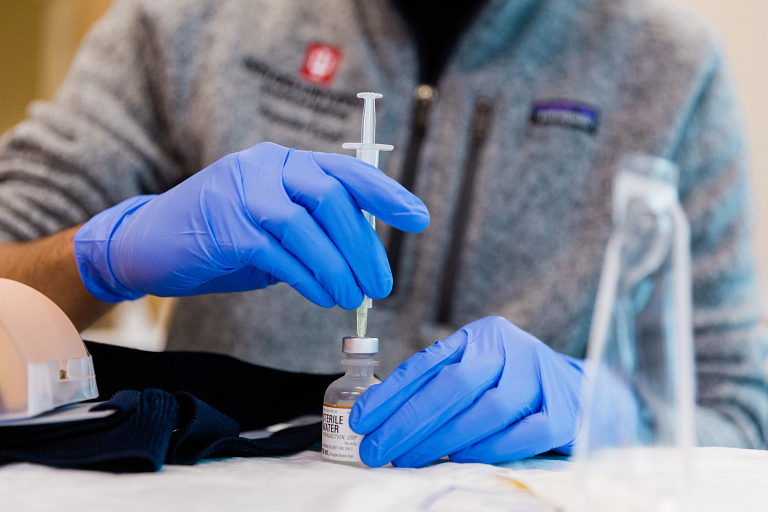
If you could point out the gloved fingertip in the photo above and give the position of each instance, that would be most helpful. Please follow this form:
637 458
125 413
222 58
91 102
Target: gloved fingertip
405 462
414 459
324 302
463 456
359 419
380 289
422 218
414 221
369 454
354 419
351 300
377 281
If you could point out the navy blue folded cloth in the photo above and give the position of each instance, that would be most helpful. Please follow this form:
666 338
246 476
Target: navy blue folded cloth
147 428
155 426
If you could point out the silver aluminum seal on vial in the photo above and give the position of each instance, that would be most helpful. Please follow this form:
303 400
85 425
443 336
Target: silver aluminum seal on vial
353 345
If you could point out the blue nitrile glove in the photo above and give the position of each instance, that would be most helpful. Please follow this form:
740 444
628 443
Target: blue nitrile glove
252 218
490 392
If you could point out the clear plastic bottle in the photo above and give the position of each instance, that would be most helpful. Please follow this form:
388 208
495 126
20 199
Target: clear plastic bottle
340 444
639 428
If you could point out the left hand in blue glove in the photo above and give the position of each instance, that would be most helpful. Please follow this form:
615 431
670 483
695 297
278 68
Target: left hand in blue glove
490 392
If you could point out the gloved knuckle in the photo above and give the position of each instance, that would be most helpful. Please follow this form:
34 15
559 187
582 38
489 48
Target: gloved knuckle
331 190
252 153
279 224
506 409
292 216
499 322
264 146
461 378
497 404
549 435
229 160
562 431
561 436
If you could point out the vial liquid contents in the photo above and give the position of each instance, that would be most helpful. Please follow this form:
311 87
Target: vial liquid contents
340 443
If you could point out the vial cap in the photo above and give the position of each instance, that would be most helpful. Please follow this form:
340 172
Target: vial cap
353 345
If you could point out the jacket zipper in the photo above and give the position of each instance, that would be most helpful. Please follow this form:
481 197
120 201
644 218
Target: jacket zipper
425 96
478 135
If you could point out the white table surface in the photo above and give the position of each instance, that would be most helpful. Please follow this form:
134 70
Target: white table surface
728 479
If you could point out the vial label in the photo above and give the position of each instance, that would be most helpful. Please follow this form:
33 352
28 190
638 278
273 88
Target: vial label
340 443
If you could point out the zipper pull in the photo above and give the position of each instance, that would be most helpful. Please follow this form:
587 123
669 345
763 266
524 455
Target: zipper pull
481 120
425 96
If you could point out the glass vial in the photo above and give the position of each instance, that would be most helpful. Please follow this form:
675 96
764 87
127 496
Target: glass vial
340 444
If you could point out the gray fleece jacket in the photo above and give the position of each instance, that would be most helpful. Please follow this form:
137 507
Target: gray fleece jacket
518 184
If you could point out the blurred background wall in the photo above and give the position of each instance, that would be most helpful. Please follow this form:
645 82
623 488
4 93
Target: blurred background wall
38 39
742 24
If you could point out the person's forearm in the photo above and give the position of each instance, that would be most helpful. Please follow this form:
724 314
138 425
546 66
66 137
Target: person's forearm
48 265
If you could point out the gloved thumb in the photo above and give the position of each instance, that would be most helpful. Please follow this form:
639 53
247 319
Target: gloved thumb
243 280
380 401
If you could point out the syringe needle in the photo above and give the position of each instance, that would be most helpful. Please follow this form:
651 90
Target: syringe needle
362 311
362 317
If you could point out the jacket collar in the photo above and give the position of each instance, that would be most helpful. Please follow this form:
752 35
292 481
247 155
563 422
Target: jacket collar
493 30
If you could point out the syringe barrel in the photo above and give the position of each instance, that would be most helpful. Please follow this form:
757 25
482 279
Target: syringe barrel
370 218
368 155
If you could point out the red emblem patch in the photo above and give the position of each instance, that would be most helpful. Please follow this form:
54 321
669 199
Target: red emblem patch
320 63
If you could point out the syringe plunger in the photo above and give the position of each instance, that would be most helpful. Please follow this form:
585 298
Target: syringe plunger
367 150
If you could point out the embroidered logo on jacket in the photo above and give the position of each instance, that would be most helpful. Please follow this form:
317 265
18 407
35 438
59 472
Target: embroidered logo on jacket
320 63
566 113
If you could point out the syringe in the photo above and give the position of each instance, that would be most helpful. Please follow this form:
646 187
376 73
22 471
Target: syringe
368 151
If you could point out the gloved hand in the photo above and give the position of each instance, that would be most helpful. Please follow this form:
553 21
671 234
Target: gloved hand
252 218
490 392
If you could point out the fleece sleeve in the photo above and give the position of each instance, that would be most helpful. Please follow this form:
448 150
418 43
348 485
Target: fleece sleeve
103 138
715 193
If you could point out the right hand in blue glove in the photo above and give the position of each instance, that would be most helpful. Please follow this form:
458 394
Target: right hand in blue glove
490 392
251 219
